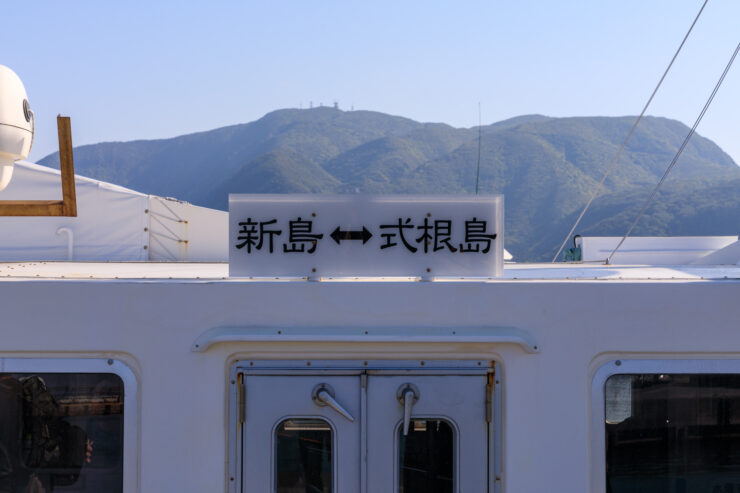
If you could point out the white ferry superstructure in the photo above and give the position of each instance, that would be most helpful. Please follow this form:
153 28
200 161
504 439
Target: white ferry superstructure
517 382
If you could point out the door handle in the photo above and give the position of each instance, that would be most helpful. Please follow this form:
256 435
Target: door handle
407 396
323 395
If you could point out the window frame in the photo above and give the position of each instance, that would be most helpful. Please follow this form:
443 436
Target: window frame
632 367
130 453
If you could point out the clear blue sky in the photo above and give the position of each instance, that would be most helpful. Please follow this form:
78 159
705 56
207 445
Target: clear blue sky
141 70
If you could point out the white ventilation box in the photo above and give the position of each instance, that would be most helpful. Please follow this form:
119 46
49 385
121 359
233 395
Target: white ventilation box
652 250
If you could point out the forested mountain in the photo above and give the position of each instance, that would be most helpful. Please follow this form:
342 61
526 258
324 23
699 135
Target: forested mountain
545 167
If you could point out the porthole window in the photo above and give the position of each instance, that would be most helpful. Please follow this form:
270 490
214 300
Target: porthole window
426 457
303 456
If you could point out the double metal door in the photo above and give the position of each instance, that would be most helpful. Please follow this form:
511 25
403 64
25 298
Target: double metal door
368 431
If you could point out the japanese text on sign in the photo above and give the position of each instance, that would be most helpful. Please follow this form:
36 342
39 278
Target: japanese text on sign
317 236
426 236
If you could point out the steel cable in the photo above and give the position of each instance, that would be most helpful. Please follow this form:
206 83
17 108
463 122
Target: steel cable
613 163
678 154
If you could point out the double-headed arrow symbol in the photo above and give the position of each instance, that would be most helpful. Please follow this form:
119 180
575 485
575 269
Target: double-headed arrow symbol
339 235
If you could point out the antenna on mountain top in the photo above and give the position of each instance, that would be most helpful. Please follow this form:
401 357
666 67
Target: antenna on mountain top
336 105
477 173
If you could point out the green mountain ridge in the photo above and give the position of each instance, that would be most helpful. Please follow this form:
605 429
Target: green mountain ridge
546 168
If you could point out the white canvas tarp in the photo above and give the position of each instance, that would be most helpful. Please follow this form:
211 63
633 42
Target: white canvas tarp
182 231
113 223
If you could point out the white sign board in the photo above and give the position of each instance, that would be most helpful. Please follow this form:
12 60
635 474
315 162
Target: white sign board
317 236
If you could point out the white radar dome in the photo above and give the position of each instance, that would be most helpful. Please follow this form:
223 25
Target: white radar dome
16 123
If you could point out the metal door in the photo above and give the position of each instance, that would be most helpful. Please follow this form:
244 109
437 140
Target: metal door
301 433
427 433
366 427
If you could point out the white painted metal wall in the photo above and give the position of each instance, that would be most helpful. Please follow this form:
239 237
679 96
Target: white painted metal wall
548 436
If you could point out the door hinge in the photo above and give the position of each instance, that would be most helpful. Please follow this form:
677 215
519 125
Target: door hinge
241 398
489 396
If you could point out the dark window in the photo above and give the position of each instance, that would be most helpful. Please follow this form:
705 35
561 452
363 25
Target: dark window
303 449
673 433
61 432
426 457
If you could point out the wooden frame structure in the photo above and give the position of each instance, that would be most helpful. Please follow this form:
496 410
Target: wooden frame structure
65 207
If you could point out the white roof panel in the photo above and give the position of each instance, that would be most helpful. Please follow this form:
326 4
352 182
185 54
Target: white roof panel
179 271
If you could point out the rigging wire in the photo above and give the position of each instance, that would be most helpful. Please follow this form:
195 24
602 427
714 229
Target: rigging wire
680 150
477 173
613 163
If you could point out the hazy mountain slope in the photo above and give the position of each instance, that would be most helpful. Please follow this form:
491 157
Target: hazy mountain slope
546 168
190 166
681 209
285 169
374 167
